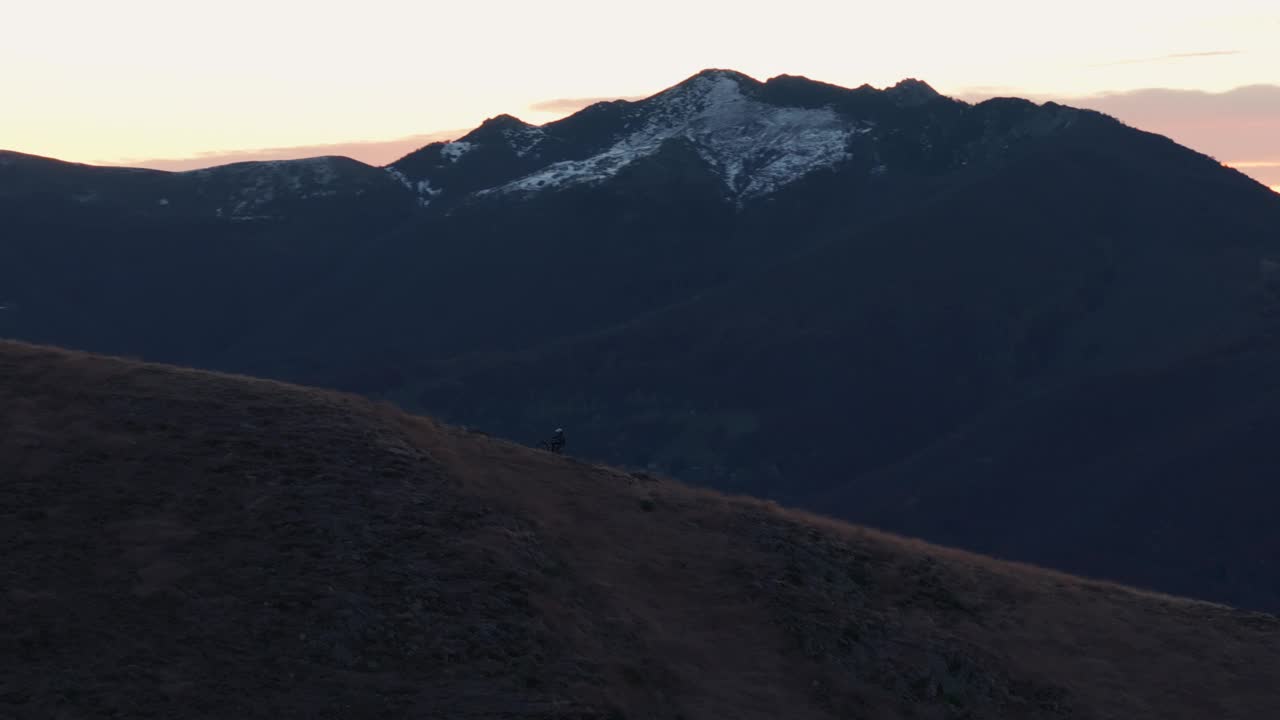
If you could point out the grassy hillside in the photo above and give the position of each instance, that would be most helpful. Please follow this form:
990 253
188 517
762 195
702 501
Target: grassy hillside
186 544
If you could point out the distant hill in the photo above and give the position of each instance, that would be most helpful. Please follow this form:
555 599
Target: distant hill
178 266
186 544
863 301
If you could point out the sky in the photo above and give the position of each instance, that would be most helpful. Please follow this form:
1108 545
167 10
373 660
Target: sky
176 84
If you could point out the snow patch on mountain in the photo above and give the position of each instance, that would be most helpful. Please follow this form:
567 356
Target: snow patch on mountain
247 190
755 147
524 140
425 192
279 175
422 188
452 151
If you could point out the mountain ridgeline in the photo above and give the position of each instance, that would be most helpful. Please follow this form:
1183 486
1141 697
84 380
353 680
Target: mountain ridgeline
1025 329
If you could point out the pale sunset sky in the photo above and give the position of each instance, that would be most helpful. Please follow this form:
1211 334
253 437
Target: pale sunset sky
175 84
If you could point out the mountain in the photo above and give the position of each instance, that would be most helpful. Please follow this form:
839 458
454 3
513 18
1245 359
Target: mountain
243 192
754 138
928 373
618 210
177 265
181 543
880 303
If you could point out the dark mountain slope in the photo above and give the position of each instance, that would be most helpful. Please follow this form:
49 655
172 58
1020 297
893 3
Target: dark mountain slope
1164 478
541 233
712 181
248 191
177 266
191 544
1006 295
862 351
508 277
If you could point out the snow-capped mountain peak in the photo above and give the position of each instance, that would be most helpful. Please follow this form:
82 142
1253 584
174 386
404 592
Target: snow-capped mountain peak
756 137
754 147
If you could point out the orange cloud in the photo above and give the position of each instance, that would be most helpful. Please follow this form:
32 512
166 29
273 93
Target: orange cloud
373 152
572 105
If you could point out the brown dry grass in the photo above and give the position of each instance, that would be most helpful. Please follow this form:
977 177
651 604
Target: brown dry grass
185 544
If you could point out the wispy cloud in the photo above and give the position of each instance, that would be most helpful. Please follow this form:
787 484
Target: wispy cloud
570 105
1170 57
373 152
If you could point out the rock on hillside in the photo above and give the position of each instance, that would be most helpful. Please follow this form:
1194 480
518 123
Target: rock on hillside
185 544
